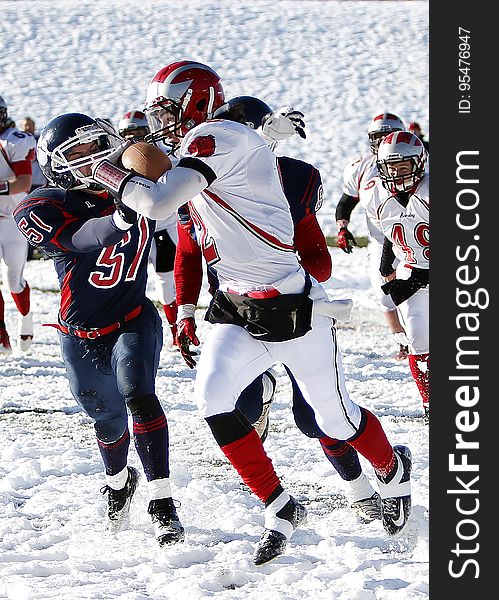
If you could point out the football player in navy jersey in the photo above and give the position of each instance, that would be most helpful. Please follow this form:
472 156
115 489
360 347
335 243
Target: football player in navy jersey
303 189
110 333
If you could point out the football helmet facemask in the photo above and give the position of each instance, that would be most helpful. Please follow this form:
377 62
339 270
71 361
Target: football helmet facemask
396 148
133 126
60 138
179 97
380 126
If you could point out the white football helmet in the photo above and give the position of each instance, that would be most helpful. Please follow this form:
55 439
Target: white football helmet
404 150
133 125
381 125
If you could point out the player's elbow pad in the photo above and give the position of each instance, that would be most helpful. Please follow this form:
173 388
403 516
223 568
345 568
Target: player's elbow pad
161 199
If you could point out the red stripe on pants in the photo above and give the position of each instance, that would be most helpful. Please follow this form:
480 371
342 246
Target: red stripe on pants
250 460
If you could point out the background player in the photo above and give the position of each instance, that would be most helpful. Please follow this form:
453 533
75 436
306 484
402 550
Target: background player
415 128
403 214
359 177
17 150
245 228
110 332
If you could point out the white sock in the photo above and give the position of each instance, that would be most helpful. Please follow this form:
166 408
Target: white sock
118 481
159 488
272 521
359 489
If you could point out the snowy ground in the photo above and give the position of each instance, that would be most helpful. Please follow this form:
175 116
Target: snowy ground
51 530
337 61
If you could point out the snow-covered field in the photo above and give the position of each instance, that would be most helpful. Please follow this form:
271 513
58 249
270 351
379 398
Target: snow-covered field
338 62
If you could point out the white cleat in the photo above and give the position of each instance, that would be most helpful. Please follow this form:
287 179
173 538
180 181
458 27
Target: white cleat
395 492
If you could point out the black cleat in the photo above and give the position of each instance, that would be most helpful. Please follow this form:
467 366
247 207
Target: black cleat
273 542
118 501
368 509
167 526
271 545
395 491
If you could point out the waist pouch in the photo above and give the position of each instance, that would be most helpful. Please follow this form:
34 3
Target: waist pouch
277 319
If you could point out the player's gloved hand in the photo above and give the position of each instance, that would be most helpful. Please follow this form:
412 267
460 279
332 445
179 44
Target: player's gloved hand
345 240
401 290
186 335
283 123
109 174
127 214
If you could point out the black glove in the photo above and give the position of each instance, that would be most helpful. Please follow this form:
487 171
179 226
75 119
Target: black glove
345 240
402 289
127 214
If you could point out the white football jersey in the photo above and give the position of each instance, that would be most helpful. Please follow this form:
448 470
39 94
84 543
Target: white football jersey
407 227
170 221
15 146
242 219
359 179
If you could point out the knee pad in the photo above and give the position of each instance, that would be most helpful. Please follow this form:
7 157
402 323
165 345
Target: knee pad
144 406
229 427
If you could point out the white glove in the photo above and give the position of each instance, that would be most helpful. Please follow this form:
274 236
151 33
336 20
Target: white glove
283 123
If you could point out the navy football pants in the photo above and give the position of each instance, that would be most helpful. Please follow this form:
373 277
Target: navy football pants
107 372
251 405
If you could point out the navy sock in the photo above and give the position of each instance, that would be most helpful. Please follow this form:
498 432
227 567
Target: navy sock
114 455
342 456
150 433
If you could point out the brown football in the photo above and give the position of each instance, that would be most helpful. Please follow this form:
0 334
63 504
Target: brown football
146 160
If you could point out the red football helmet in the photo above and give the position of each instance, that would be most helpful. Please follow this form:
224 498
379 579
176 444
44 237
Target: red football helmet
380 126
179 97
133 125
401 161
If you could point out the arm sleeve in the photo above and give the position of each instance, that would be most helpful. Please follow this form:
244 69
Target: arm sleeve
387 258
161 199
311 245
91 235
188 267
345 207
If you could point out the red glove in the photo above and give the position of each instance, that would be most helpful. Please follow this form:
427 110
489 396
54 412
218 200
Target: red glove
186 335
345 240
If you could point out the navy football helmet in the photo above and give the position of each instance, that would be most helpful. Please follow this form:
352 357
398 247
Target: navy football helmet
252 109
60 137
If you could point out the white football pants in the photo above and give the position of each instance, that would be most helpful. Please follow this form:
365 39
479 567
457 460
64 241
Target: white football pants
13 255
414 315
231 359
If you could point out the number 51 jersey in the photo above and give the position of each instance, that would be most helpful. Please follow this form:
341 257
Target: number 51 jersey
102 276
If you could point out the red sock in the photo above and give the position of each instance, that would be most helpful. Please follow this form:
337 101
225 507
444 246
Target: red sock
374 445
22 300
250 460
420 369
2 309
